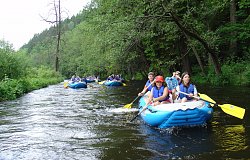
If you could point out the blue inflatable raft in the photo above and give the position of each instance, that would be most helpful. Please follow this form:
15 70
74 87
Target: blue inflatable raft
186 114
77 85
113 83
90 80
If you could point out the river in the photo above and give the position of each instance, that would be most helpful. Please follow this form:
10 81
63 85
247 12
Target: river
57 123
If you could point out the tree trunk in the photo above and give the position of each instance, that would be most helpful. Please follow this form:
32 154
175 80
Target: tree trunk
185 58
211 51
233 42
58 27
57 9
196 55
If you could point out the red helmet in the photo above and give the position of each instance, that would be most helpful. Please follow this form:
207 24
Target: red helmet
159 79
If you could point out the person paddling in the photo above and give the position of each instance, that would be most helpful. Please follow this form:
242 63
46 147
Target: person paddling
149 84
185 86
159 93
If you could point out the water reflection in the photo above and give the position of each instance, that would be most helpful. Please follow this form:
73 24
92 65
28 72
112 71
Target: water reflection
180 143
139 141
231 138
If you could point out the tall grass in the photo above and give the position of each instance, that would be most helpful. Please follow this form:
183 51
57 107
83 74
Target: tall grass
35 78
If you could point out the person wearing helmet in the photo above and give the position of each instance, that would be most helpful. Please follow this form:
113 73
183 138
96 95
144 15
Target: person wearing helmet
148 86
159 93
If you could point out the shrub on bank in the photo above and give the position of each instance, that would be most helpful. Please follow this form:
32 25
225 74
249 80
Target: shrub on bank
36 78
232 74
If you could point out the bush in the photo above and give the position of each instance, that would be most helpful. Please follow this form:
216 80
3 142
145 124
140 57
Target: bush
232 74
36 78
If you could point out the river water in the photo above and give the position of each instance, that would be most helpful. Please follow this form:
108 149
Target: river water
57 123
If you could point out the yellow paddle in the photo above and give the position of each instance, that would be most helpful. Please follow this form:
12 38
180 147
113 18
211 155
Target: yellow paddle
233 110
227 108
66 84
207 98
128 106
101 82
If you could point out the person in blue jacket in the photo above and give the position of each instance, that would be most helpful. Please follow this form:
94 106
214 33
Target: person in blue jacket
149 84
159 93
73 79
185 86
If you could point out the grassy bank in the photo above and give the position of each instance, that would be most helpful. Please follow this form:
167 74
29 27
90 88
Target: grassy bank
36 78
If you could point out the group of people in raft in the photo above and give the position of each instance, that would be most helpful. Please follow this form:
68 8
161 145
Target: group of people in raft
160 94
114 77
76 78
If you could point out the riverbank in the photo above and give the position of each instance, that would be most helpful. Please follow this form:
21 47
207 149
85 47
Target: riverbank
36 78
233 74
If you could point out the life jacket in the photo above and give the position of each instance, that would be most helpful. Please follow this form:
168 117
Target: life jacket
149 87
189 89
73 80
84 80
157 93
110 79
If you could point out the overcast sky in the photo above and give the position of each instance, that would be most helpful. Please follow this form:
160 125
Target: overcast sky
20 19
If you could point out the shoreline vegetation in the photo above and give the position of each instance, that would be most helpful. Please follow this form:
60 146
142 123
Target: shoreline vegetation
232 74
19 75
236 74
37 78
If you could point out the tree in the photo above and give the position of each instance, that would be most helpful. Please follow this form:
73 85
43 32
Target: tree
57 21
233 42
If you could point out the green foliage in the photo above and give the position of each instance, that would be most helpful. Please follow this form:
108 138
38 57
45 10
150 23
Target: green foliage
35 78
233 73
11 89
237 73
133 37
17 77
10 64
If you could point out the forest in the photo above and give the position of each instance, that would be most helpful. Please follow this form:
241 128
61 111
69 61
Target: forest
209 39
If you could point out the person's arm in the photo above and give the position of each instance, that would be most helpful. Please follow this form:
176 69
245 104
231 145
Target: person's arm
143 91
178 77
195 91
175 93
150 97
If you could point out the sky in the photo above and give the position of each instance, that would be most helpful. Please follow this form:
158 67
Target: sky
21 19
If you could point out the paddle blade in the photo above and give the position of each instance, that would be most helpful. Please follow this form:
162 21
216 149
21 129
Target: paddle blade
233 110
172 83
101 82
65 84
124 84
128 106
